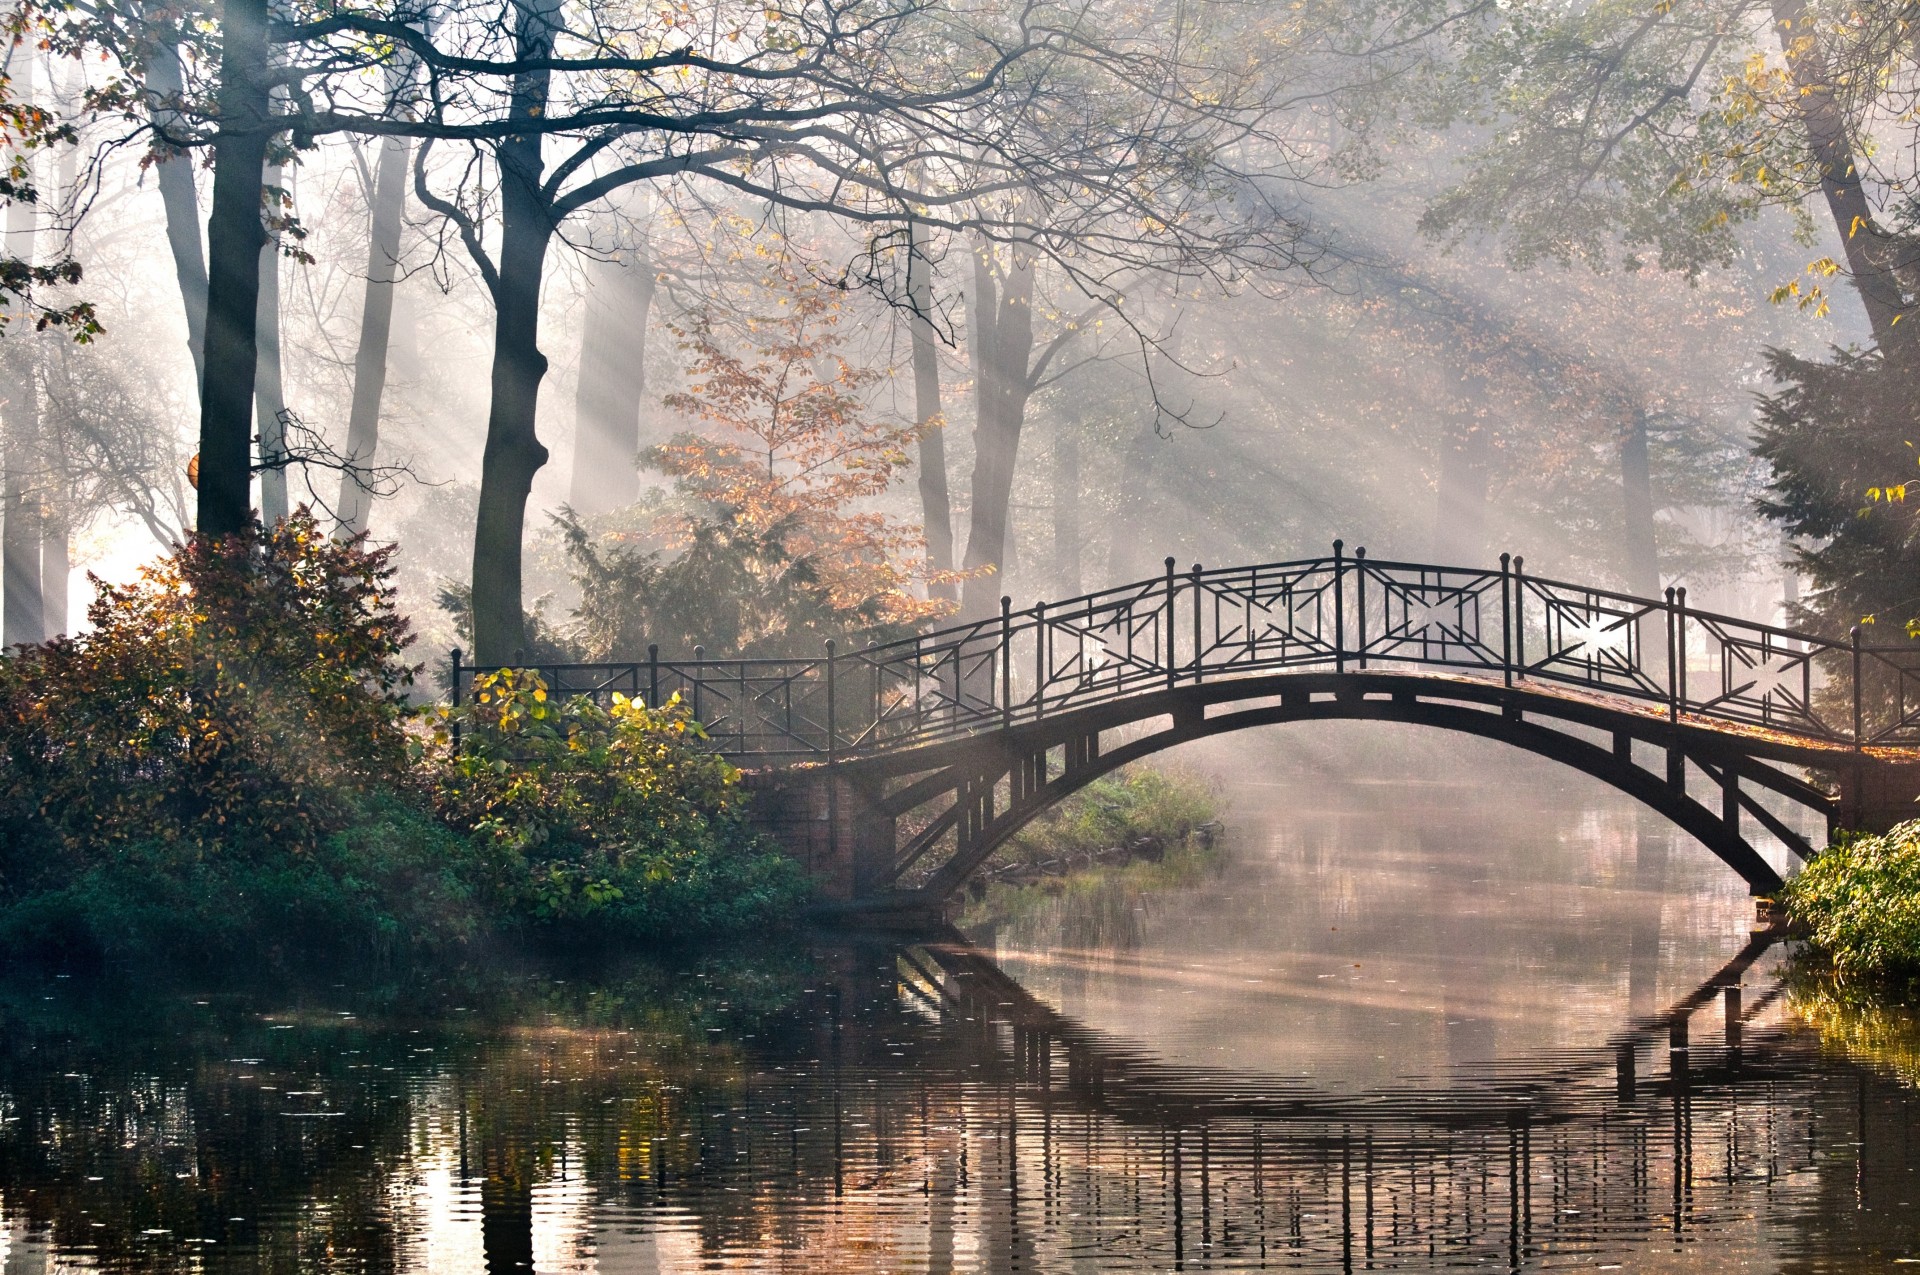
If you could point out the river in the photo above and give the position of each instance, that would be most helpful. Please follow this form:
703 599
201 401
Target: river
1434 1007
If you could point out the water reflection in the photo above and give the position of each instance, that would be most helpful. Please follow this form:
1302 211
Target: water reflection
917 1109
941 1106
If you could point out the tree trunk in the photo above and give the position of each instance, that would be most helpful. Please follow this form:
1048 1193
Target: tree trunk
514 453
235 235
1875 259
269 399
182 206
1129 552
1636 488
22 488
1002 352
1460 507
56 571
1066 505
936 503
376 331
613 385
23 618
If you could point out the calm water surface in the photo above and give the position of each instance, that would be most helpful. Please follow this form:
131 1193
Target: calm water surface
1473 1023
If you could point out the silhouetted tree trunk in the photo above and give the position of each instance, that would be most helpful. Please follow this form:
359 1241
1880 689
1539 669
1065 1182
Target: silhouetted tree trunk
514 453
22 616
936 503
613 384
1142 533
182 205
1636 489
1002 353
269 399
235 236
389 199
1128 550
1066 504
56 571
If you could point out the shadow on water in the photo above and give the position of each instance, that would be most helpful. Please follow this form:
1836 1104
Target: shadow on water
879 1106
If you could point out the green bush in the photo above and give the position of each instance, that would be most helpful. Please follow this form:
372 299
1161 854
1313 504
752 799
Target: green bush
240 697
614 818
225 766
1859 902
393 883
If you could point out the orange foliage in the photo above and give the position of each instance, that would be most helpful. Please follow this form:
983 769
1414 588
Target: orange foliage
797 455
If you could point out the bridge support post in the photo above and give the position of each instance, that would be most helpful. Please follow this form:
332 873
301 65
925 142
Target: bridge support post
828 824
1876 794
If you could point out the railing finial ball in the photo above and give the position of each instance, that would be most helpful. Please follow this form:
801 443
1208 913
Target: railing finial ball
1506 560
830 645
1338 545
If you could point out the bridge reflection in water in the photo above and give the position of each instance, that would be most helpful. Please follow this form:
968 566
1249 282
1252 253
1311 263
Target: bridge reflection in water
918 1110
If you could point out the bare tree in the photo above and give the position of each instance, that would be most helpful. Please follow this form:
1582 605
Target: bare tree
1104 139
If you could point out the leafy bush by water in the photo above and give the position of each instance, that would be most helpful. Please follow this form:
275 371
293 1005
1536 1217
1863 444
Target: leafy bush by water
1859 1022
612 816
1859 902
1137 812
225 767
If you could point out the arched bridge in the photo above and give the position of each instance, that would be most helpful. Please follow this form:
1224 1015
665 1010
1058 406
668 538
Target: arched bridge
895 770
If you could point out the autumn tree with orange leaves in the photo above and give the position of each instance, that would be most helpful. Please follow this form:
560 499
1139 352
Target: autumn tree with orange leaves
795 454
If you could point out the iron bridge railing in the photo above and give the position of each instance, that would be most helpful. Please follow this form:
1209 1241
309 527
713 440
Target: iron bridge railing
1336 613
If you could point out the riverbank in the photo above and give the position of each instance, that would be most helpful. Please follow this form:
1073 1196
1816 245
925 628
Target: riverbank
1087 861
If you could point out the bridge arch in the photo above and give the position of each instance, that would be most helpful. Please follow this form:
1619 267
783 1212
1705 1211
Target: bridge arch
962 800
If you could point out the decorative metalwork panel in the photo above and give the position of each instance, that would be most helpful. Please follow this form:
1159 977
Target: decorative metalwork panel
1889 696
1428 615
1276 616
1590 637
1754 674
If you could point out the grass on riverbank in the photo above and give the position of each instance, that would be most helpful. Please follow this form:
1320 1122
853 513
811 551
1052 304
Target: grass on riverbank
1859 904
1085 863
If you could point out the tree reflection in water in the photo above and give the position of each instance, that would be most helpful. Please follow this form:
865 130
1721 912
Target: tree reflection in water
910 1108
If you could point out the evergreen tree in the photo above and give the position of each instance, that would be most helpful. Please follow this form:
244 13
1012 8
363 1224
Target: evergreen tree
1841 438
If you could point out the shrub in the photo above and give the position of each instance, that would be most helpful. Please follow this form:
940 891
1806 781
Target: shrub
1859 901
225 765
242 695
610 816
